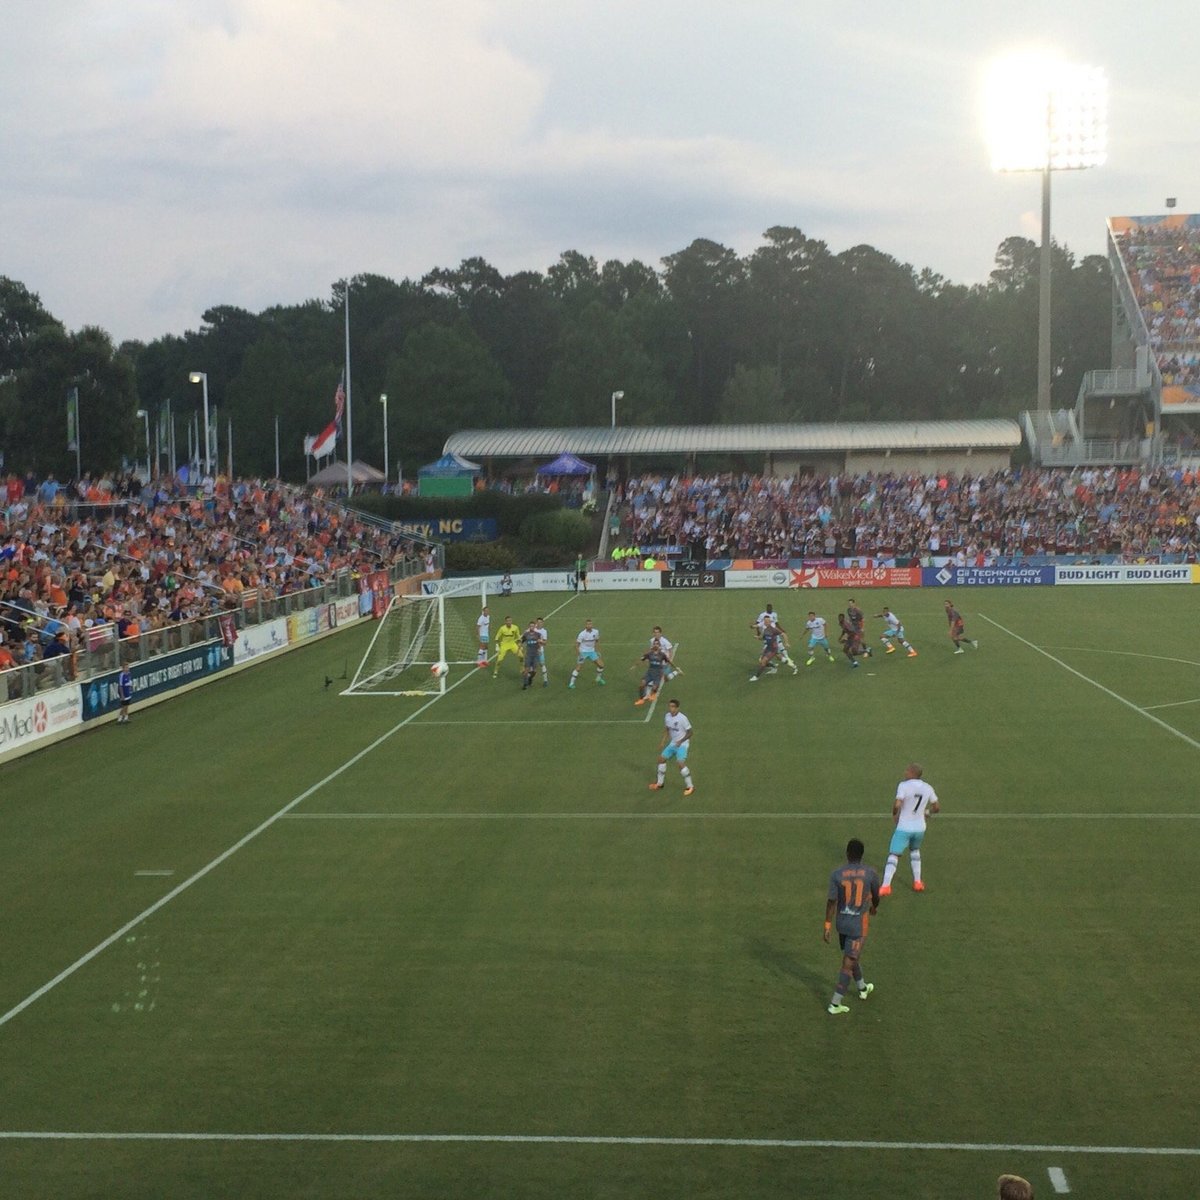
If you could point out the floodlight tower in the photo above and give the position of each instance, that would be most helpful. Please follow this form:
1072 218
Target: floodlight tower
1045 115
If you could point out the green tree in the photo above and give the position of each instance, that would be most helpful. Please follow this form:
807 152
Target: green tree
37 418
445 380
22 318
706 281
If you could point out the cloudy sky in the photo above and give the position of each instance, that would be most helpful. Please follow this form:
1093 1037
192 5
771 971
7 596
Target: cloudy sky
158 157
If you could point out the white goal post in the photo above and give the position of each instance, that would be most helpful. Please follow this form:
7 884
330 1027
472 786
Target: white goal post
417 633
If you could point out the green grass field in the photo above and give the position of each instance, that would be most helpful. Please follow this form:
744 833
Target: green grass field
458 949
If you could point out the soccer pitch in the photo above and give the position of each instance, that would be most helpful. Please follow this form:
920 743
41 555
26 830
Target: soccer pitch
272 941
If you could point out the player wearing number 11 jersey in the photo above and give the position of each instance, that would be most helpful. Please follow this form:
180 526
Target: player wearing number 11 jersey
853 900
915 799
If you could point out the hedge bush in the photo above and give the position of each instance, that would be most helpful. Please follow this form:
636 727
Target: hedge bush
567 530
480 556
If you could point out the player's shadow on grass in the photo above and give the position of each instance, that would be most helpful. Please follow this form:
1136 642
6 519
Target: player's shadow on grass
782 961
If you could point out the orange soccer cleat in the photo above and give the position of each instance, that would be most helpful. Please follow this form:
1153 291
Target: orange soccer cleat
886 890
657 787
918 886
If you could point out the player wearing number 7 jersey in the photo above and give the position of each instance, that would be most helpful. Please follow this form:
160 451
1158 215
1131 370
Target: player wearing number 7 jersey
915 800
853 899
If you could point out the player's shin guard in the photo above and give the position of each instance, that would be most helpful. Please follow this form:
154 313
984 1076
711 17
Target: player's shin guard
915 859
662 773
687 776
889 871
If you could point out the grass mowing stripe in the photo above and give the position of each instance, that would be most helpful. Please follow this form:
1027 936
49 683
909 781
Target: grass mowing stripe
84 959
1183 737
550 1139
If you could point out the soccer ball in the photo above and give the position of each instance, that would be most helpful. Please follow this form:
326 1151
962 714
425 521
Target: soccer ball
439 669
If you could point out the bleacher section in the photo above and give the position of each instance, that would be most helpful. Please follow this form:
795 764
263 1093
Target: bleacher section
1160 258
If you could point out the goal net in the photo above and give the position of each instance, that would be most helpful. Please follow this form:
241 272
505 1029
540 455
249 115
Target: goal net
414 635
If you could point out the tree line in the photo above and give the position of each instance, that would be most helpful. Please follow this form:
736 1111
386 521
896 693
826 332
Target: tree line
788 332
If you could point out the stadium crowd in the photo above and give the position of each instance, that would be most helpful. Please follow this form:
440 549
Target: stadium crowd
977 518
101 558
1164 265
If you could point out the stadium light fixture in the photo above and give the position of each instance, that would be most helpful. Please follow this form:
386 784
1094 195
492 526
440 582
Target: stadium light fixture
201 377
145 415
615 397
1046 115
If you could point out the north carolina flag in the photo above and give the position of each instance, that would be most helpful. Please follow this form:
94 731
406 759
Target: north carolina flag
325 442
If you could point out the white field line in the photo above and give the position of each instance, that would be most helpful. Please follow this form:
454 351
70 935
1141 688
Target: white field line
1172 704
723 816
1187 662
84 959
1183 737
565 721
532 1139
116 936
1058 1179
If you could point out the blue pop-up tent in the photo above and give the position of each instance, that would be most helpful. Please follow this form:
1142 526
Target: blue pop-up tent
567 464
451 464
451 475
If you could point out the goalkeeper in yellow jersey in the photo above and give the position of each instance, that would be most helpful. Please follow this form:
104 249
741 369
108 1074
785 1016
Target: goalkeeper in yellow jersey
508 641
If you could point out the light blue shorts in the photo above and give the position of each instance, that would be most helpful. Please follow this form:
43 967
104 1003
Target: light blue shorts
906 840
894 633
677 751
813 643
588 656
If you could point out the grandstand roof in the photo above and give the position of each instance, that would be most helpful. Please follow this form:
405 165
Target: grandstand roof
732 439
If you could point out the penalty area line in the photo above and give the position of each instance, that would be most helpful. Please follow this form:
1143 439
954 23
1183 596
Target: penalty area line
550 1139
1137 708
179 889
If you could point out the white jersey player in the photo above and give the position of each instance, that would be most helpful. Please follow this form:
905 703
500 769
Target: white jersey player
544 636
483 627
915 800
587 649
676 741
818 639
894 632
767 614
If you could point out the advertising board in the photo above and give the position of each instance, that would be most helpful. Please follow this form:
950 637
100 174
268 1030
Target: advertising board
758 579
691 579
23 722
449 529
157 675
856 577
1181 573
986 576
257 640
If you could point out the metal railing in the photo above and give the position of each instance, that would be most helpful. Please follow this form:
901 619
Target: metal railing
99 650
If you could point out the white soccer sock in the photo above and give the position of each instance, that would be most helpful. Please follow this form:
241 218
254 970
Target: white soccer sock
890 870
662 772
574 675
915 859
687 776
